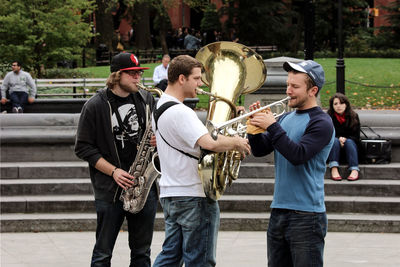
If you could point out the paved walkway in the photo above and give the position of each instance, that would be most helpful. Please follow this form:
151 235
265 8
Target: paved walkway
247 249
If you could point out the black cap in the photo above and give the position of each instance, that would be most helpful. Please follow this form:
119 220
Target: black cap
125 61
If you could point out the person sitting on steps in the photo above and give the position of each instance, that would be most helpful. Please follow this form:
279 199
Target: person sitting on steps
347 128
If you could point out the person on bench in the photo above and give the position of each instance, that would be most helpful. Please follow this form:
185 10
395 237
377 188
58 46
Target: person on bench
160 75
22 88
347 128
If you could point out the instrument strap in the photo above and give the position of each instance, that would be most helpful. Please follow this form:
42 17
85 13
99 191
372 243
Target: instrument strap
157 113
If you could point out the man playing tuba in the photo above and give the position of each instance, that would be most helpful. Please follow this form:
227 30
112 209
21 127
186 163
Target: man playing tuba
191 219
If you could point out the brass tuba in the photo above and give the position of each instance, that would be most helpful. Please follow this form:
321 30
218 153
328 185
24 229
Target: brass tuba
230 70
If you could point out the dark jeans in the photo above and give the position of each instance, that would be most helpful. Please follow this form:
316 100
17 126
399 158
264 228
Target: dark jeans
350 151
19 99
296 238
110 217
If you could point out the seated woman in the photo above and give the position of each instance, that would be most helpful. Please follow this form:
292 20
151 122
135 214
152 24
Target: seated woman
347 127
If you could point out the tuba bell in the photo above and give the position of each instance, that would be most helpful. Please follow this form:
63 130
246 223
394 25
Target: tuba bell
230 70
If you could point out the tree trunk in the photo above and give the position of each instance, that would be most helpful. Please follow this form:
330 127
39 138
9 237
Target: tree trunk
104 25
142 25
163 32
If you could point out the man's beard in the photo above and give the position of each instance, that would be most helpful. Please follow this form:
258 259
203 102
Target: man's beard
298 102
128 87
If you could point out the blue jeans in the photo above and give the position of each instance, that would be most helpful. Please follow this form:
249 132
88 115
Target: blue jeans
296 238
191 230
110 217
349 149
19 99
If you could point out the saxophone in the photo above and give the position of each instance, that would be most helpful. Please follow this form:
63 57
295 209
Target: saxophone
142 168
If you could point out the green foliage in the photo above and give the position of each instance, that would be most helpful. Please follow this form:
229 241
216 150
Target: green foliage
210 21
354 17
58 73
359 41
260 23
40 33
389 36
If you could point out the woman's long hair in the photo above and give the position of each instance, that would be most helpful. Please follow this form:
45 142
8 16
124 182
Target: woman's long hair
349 113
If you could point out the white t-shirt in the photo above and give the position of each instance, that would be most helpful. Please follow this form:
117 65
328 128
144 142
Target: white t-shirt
160 73
181 127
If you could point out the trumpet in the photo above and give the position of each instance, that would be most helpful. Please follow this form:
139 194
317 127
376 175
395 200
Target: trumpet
218 128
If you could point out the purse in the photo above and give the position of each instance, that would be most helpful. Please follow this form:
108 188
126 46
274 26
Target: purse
375 150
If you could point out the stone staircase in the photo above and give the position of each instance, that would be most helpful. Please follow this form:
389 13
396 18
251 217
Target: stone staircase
44 187
57 196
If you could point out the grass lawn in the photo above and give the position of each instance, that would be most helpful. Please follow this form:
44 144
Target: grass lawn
364 78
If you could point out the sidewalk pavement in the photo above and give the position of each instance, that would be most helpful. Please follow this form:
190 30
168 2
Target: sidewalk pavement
248 249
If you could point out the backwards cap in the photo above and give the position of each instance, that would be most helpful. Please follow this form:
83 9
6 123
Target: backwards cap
311 68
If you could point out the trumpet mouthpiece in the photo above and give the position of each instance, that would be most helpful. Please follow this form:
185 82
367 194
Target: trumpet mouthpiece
199 91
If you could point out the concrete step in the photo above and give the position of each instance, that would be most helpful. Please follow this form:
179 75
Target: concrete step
79 169
230 221
37 152
249 186
229 203
362 187
45 169
336 204
367 171
54 186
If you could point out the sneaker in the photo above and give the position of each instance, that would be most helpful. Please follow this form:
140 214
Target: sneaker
20 110
14 110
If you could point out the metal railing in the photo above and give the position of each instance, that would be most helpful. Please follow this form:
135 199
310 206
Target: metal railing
44 85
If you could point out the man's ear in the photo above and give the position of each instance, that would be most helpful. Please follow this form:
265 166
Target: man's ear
313 91
181 78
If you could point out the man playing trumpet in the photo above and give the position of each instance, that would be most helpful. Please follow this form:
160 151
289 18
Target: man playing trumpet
301 141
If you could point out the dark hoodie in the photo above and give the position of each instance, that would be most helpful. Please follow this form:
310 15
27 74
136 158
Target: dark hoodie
95 139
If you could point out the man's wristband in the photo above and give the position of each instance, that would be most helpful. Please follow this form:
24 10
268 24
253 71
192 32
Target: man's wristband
112 173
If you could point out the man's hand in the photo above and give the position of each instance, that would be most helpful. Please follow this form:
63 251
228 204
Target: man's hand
242 145
31 100
123 179
261 119
4 100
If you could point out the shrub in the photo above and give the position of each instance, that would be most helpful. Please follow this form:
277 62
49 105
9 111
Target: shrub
65 73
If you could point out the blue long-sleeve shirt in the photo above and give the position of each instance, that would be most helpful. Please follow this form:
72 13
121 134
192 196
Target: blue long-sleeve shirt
301 140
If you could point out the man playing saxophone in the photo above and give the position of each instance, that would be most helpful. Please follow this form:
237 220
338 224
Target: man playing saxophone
191 219
110 128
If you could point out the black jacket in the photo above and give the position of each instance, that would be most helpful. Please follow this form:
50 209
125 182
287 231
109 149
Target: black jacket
95 139
344 130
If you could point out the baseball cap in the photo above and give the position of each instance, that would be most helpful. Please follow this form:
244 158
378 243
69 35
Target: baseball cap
125 61
311 68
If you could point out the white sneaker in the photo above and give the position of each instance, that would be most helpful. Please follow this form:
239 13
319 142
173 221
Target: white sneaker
20 110
14 110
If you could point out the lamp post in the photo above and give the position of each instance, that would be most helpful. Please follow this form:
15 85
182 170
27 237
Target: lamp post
340 61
